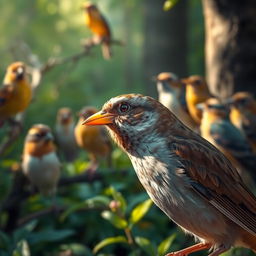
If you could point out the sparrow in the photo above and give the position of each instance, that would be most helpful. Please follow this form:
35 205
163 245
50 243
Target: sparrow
196 92
16 92
169 94
185 176
39 161
64 134
98 25
217 128
243 115
94 140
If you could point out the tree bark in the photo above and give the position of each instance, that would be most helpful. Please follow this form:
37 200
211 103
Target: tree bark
230 29
165 47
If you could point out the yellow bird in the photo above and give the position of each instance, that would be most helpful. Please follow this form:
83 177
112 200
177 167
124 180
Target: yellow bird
196 92
16 92
98 25
93 139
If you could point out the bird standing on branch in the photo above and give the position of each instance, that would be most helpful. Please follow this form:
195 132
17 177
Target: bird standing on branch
169 94
16 92
39 161
64 131
94 140
98 25
186 176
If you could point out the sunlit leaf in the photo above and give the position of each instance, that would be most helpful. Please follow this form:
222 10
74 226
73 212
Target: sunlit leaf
22 249
169 4
108 241
94 202
139 211
165 245
117 221
146 245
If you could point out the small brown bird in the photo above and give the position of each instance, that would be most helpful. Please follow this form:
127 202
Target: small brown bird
16 92
94 140
185 175
64 133
40 162
196 92
98 25
217 129
169 94
243 115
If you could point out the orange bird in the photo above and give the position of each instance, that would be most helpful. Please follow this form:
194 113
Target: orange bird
243 115
94 140
16 92
40 162
196 92
188 178
98 25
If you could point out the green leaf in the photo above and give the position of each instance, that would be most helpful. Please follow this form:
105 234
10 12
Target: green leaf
169 4
145 245
89 203
117 221
22 249
165 245
139 211
108 241
5 241
49 235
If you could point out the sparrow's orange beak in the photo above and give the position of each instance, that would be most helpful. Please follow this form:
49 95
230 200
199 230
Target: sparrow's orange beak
99 118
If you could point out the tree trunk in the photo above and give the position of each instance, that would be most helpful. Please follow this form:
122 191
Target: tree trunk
230 29
165 47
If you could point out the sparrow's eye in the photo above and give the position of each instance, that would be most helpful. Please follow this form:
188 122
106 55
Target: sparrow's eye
124 107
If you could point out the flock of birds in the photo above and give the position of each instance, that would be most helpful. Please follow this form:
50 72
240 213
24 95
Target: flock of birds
194 154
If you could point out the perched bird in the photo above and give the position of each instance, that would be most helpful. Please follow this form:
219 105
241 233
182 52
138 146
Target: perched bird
196 92
98 25
185 175
243 115
16 92
169 94
64 133
217 129
40 162
94 140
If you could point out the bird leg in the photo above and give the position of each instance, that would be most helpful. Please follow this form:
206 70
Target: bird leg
191 249
219 250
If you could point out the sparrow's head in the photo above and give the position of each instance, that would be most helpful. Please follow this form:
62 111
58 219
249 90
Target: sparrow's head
39 133
214 108
87 112
15 72
89 7
64 116
196 83
132 117
242 101
168 80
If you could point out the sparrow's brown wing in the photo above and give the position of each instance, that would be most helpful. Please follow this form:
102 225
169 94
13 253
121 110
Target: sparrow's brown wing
215 179
5 93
